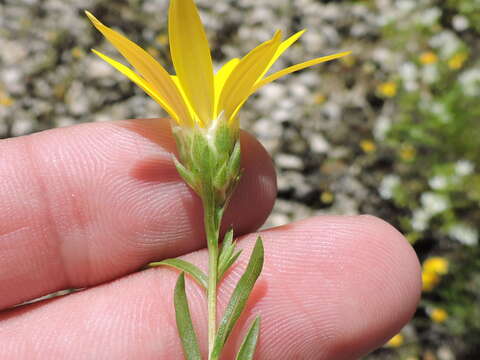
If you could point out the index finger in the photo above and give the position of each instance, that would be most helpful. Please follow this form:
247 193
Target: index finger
90 203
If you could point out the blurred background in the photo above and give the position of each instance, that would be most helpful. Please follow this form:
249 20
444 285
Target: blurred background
392 130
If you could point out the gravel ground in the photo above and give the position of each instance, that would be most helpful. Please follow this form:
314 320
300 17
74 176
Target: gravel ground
317 124
53 80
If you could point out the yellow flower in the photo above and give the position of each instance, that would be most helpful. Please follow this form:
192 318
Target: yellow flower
162 39
408 153
395 341
429 280
5 100
78 52
438 315
196 96
428 58
327 197
457 61
319 98
387 89
433 269
368 146
437 265
349 61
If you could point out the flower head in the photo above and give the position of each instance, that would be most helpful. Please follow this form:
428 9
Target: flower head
368 146
436 264
429 280
387 89
457 61
433 269
395 341
196 96
428 58
438 315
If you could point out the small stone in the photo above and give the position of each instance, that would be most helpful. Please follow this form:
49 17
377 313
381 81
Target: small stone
445 353
13 80
277 219
266 129
64 121
78 103
22 126
281 115
97 68
12 52
288 161
299 91
318 144
460 23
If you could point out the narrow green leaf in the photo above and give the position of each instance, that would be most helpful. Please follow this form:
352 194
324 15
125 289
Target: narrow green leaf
234 161
186 175
224 138
227 248
228 238
202 156
185 266
220 179
223 267
184 321
239 298
249 344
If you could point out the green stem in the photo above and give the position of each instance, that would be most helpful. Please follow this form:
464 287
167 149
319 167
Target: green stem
212 220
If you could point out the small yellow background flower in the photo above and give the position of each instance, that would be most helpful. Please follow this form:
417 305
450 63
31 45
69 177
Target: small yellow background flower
457 61
395 341
428 58
438 315
196 95
387 89
433 269
436 264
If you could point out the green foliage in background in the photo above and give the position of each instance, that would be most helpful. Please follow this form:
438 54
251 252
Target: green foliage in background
435 182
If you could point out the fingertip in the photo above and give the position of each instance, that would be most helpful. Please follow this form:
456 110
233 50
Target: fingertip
354 282
387 285
99 200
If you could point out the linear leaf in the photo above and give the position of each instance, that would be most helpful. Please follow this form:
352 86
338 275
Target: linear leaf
239 298
227 248
224 266
249 344
228 238
185 266
184 321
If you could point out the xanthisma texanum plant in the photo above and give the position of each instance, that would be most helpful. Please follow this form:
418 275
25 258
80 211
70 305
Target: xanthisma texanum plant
204 107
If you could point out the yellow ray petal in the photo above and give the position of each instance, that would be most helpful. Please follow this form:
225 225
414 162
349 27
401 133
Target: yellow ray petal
156 76
191 56
282 48
140 82
297 67
239 84
193 115
220 77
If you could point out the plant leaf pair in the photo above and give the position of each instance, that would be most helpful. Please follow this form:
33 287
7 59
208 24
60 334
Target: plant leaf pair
228 255
184 266
239 299
234 308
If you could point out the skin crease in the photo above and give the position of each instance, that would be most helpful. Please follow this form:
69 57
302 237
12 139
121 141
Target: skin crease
89 205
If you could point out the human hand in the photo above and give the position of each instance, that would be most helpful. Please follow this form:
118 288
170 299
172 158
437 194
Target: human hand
87 206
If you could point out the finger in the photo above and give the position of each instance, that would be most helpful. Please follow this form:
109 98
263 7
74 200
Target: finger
86 204
332 288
